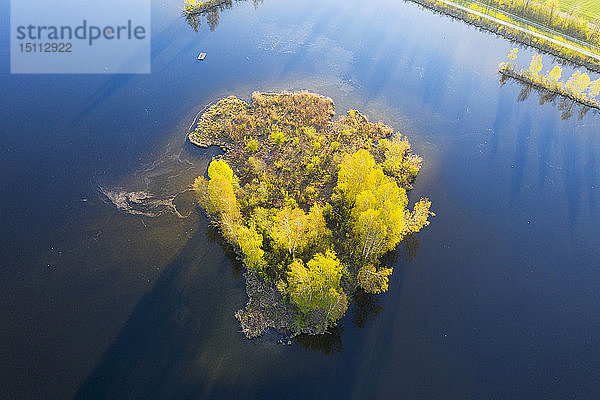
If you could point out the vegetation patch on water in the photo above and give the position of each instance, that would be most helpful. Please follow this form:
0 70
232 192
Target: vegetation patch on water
579 87
310 204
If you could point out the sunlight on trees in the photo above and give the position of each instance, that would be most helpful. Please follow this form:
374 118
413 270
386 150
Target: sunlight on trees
379 216
358 172
317 285
397 160
555 74
594 87
548 13
536 65
291 230
374 280
578 83
313 217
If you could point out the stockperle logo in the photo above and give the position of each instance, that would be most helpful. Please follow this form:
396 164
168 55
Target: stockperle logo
68 36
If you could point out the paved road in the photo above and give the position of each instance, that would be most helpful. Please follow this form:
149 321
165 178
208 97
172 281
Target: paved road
529 31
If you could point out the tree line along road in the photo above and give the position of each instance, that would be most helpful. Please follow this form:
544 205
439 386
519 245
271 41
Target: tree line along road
595 55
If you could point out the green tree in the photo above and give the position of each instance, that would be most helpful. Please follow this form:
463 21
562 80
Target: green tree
594 87
291 230
251 242
316 222
252 146
358 172
536 65
380 219
277 136
317 285
577 83
555 74
374 280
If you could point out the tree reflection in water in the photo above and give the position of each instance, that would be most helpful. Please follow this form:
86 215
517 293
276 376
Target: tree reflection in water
212 14
568 107
366 308
328 343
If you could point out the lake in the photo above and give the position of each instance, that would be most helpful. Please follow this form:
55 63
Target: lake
114 286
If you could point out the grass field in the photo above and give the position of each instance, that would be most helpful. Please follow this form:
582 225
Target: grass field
589 9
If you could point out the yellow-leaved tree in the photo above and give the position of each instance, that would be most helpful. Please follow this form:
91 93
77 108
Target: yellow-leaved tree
316 222
551 6
374 280
594 87
217 196
291 230
379 215
536 65
512 56
577 83
317 204
358 172
398 163
316 286
554 74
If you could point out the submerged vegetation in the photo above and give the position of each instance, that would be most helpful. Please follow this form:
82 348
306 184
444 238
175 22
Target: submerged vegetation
310 204
579 87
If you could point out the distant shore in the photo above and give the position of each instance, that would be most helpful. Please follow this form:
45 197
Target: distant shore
512 34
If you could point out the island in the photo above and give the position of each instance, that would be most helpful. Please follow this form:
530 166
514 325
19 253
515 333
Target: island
310 204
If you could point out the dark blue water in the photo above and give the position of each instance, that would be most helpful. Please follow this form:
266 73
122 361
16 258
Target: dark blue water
104 297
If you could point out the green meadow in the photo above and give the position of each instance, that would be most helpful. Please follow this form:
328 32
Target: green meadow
589 9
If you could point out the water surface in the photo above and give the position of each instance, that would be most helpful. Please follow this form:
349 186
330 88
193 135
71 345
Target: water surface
115 287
